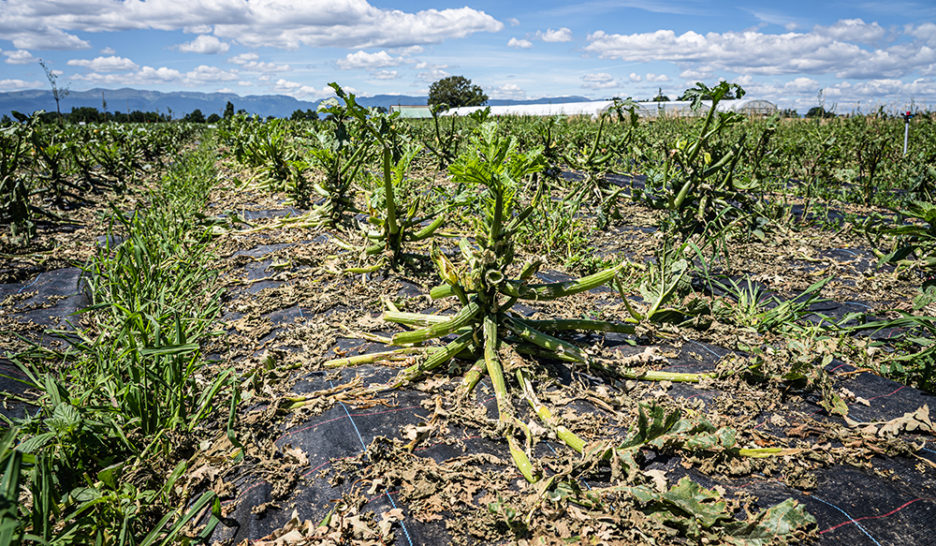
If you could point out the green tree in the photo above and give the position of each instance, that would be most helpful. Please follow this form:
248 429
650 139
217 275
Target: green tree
229 110
214 118
456 91
819 112
299 115
660 97
195 116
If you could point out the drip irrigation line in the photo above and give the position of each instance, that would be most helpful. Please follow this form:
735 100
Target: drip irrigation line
851 519
364 448
706 348
34 281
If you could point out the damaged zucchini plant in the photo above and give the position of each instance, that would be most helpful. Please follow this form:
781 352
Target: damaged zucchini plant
397 222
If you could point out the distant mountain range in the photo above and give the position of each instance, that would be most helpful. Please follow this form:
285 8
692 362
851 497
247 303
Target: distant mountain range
180 103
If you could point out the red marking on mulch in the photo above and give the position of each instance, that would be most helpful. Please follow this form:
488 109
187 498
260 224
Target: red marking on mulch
898 389
891 513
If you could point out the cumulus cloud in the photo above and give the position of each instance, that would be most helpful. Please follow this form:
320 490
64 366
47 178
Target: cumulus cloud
431 72
250 63
205 74
753 52
853 30
508 91
651 77
386 75
368 61
44 24
925 32
635 77
302 91
108 51
205 44
599 80
519 43
105 64
20 56
802 84
145 76
16 85
559 35
149 75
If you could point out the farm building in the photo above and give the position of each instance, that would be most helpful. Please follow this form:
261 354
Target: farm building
596 108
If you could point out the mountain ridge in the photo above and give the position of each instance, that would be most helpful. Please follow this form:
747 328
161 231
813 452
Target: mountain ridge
179 103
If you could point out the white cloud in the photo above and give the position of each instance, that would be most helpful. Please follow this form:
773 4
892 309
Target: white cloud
386 75
15 85
559 35
853 30
148 75
204 44
145 76
25 36
43 24
224 90
204 74
634 77
105 64
513 21
802 84
925 32
753 52
368 61
651 77
599 80
696 73
108 51
431 72
301 91
508 91
522 44
20 56
249 62
407 51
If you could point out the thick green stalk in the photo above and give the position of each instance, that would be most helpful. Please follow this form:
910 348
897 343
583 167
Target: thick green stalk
557 290
464 317
414 319
564 434
370 358
560 349
434 360
471 378
494 370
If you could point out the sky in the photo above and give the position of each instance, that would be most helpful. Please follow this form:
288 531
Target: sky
861 55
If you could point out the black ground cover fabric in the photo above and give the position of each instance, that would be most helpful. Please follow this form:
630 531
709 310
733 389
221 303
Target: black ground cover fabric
891 502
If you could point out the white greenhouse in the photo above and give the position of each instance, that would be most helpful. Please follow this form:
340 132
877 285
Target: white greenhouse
593 109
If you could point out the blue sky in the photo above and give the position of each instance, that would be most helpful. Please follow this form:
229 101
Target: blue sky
861 54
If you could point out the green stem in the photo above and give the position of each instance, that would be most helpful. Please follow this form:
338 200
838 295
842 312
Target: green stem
464 317
370 358
557 290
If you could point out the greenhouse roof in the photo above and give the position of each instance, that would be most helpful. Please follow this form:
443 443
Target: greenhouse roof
596 108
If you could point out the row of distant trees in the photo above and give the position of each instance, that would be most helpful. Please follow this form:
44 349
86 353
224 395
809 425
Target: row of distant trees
90 114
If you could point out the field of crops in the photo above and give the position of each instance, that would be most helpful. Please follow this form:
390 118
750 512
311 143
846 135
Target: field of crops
367 330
